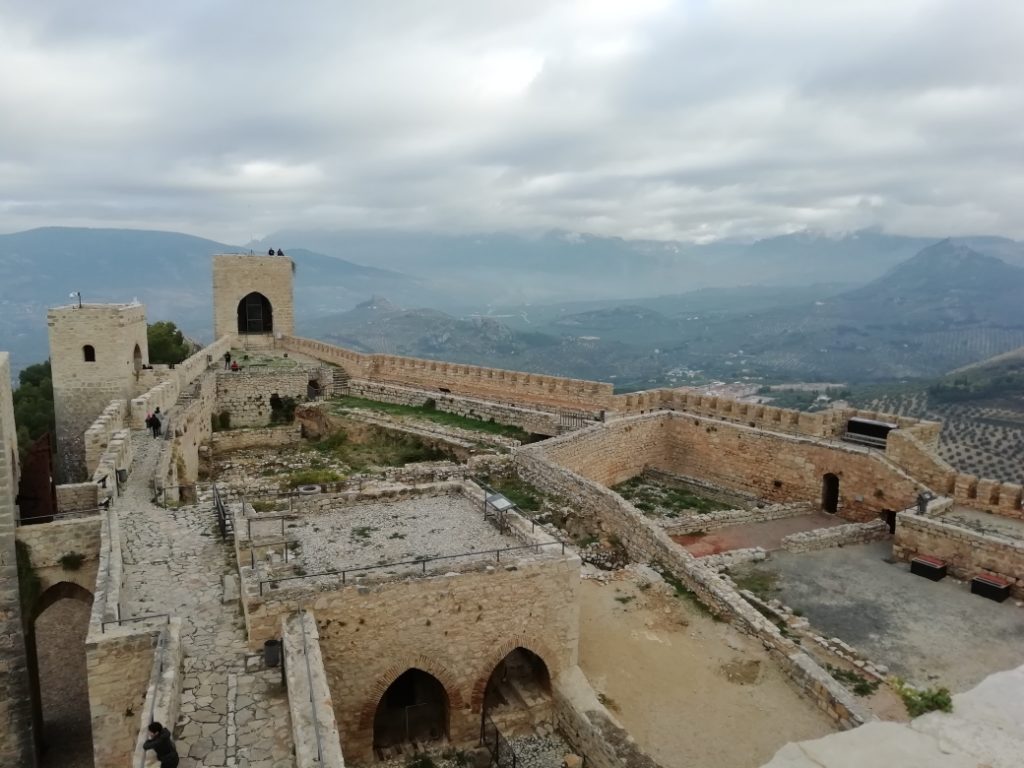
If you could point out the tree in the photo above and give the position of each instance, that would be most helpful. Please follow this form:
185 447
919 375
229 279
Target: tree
33 404
167 344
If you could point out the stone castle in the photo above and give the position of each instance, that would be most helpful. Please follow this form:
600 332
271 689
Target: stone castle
193 588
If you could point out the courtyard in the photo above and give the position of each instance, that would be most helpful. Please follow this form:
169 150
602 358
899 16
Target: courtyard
929 633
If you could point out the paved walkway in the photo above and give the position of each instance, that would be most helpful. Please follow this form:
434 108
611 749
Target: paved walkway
233 712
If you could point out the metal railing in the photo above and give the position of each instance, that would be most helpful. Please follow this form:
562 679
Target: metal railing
74 514
122 621
312 697
222 513
503 754
421 561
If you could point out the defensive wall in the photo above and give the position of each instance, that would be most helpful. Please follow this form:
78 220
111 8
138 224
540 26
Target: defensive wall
246 394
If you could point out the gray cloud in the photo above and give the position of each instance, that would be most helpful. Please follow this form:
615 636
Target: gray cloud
652 118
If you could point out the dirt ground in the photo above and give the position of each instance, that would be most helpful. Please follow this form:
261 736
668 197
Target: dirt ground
67 731
767 535
691 691
930 633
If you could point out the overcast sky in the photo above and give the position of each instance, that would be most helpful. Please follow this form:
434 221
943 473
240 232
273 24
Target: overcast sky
639 118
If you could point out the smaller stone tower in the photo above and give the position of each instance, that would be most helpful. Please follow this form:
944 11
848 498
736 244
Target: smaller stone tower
252 298
96 352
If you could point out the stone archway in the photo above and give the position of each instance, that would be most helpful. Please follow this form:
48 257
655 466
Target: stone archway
137 358
255 314
535 647
55 650
414 710
830 493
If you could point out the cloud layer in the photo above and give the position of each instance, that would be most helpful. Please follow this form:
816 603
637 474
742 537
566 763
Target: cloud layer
648 118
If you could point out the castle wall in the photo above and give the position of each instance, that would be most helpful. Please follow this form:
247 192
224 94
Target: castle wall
237 275
82 389
16 741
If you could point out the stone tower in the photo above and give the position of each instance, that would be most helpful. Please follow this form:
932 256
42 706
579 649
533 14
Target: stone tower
96 352
252 298
16 743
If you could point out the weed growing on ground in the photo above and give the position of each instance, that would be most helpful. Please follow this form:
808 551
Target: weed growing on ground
918 701
762 582
854 681
516 490
428 412
314 477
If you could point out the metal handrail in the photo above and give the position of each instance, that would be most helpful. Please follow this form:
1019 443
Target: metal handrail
419 561
120 621
312 698
77 513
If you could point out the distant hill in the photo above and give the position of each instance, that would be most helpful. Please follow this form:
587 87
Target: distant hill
169 272
380 326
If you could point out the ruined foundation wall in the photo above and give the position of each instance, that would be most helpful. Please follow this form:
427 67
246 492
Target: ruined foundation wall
255 437
464 625
75 497
16 740
246 394
967 553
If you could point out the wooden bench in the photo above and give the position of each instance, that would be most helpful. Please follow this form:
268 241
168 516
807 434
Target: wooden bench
929 567
991 586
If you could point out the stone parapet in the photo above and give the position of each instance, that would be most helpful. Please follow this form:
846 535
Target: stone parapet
77 497
839 536
163 694
314 729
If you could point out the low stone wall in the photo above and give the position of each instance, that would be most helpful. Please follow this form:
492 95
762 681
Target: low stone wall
314 729
97 437
106 603
839 536
710 521
645 542
700 487
163 695
117 455
77 497
533 421
590 728
967 553
119 664
255 437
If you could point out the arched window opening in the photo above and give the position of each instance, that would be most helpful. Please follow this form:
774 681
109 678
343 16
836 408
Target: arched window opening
137 358
55 642
255 314
413 710
830 493
518 694
89 353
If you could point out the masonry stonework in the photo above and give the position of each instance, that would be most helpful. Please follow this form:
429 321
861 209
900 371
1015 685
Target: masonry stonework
237 275
96 352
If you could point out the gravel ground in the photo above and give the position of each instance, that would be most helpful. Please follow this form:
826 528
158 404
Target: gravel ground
60 639
930 633
368 534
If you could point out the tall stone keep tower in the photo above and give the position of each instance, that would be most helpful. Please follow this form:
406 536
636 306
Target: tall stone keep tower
252 298
17 746
96 352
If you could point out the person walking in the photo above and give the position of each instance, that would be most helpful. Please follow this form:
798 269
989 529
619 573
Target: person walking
158 422
160 742
227 360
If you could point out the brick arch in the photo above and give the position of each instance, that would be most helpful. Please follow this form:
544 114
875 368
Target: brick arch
60 591
534 646
424 664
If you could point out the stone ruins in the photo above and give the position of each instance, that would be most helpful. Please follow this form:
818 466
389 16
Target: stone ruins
330 557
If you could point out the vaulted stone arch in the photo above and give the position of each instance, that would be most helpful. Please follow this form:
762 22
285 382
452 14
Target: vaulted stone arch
444 676
533 645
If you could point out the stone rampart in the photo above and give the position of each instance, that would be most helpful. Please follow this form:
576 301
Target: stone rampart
493 384
314 729
102 430
533 421
967 553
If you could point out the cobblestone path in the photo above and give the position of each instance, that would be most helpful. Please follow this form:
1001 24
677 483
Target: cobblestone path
233 711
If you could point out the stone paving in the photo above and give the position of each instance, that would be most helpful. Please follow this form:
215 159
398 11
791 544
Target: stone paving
233 711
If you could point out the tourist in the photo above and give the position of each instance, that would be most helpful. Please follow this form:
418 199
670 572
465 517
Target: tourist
234 366
280 252
149 422
227 360
160 742
158 422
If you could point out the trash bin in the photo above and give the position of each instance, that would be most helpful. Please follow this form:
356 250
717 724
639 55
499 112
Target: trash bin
272 653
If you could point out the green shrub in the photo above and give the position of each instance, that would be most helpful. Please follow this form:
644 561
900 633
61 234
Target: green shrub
919 701
71 561
314 477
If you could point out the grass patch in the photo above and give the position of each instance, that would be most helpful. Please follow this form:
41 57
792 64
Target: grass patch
378 448
313 477
519 492
860 685
662 501
761 583
264 505
919 701
430 413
